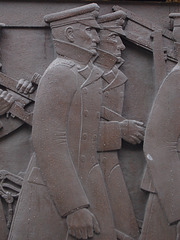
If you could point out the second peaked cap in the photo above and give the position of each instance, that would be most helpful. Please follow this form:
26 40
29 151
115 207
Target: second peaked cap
86 15
114 21
176 18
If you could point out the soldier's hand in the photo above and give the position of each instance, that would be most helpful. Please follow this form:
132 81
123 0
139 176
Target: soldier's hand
82 224
132 131
25 86
6 100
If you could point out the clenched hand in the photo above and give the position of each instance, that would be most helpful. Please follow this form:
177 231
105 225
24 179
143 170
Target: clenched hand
82 224
132 131
6 100
25 86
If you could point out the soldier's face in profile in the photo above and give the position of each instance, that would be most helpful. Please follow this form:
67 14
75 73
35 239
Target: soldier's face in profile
86 37
111 42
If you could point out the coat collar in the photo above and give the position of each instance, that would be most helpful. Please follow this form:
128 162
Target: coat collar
91 73
115 78
105 60
72 51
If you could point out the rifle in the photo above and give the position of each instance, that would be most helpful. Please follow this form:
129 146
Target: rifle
10 186
18 107
139 31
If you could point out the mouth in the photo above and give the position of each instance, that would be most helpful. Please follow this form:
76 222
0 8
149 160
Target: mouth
118 55
94 46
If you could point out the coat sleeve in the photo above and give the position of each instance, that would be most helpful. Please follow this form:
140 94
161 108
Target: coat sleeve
54 97
109 138
160 146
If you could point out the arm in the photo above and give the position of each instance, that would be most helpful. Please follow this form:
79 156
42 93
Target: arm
53 101
111 133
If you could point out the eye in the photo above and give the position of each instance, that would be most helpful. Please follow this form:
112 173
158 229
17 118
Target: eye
113 36
88 29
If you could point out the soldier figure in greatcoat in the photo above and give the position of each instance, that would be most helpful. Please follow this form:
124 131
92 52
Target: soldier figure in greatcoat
10 147
161 148
109 60
70 199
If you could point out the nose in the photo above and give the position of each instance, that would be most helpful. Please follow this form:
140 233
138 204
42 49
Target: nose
120 44
95 37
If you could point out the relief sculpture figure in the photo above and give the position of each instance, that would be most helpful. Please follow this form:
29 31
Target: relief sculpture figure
10 182
70 200
109 59
12 162
161 148
10 179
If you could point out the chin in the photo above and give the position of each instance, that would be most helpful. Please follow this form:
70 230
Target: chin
93 51
119 59
118 55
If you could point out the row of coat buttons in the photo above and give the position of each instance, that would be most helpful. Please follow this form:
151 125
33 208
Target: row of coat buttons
86 113
120 94
85 136
83 158
85 90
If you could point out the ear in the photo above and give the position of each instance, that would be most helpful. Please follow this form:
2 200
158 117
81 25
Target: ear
69 34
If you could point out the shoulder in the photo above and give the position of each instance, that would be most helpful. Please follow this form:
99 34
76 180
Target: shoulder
60 65
59 77
62 62
170 84
173 77
59 71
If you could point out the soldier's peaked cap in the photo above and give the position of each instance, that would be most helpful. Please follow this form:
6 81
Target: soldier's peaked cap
113 21
86 15
176 17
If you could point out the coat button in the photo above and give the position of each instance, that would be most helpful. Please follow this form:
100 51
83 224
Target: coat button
83 158
84 136
98 115
106 94
86 113
85 90
79 67
94 137
93 159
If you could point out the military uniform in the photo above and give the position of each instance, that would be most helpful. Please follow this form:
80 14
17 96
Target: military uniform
68 105
162 154
161 148
113 97
15 153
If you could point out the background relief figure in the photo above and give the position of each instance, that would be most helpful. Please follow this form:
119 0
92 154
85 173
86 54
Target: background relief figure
109 60
161 148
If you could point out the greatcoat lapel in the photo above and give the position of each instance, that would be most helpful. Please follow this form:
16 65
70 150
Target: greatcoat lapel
91 75
118 80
